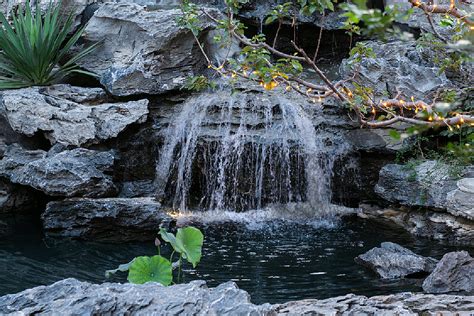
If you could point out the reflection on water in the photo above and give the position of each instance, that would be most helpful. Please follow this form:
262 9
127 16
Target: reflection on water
274 264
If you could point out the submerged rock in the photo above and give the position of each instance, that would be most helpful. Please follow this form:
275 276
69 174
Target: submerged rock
110 219
72 297
392 261
397 64
141 51
77 172
69 115
453 273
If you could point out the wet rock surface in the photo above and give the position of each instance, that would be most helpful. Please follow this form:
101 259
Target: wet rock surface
72 297
77 172
392 261
453 273
425 223
150 54
109 219
69 115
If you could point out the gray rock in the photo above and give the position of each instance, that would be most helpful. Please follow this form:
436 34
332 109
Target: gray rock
72 297
431 224
460 202
392 261
112 219
16 198
426 184
77 172
69 115
397 64
149 54
386 305
453 273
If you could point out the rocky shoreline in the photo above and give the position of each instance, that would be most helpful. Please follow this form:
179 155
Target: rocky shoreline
72 297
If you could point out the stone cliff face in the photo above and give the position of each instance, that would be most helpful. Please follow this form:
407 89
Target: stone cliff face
64 142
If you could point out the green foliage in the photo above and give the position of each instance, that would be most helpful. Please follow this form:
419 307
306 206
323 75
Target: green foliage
308 7
361 51
199 83
33 45
150 269
187 243
280 12
370 22
190 17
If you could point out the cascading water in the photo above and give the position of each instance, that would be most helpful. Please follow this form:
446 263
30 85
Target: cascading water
235 152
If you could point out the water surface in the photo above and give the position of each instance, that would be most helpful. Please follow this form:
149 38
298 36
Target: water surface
276 262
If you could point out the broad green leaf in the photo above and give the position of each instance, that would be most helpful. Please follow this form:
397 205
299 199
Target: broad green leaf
191 240
169 237
150 269
121 268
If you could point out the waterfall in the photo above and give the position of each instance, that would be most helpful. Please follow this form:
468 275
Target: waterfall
243 151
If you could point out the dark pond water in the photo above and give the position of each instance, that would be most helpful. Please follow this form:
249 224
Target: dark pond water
277 263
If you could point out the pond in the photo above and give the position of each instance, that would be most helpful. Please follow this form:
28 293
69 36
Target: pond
275 262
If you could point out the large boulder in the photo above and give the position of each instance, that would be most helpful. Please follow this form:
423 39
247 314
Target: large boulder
454 273
425 223
460 202
77 172
69 115
109 219
397 304
392 261
397 65
426 184
72 297
141 51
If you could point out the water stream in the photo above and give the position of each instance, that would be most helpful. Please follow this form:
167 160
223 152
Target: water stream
244 151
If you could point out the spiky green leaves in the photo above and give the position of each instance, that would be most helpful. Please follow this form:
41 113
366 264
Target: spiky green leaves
32 46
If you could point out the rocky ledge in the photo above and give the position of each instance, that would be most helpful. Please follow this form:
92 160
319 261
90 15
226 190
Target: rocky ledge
72 297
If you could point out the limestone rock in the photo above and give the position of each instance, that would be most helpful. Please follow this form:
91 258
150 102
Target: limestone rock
431 224
426 184
72 297
454 273
16 198
77 172
460 202
397 304
69 115
142 51
392 261
397 65
109 219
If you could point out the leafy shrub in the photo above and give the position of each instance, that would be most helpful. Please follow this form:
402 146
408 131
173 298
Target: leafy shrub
33 45
187 243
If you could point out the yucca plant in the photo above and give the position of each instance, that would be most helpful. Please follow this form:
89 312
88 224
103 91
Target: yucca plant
32 46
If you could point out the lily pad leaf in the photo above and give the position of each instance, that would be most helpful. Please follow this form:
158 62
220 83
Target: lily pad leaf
150 269
190 239
169 237
121 268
